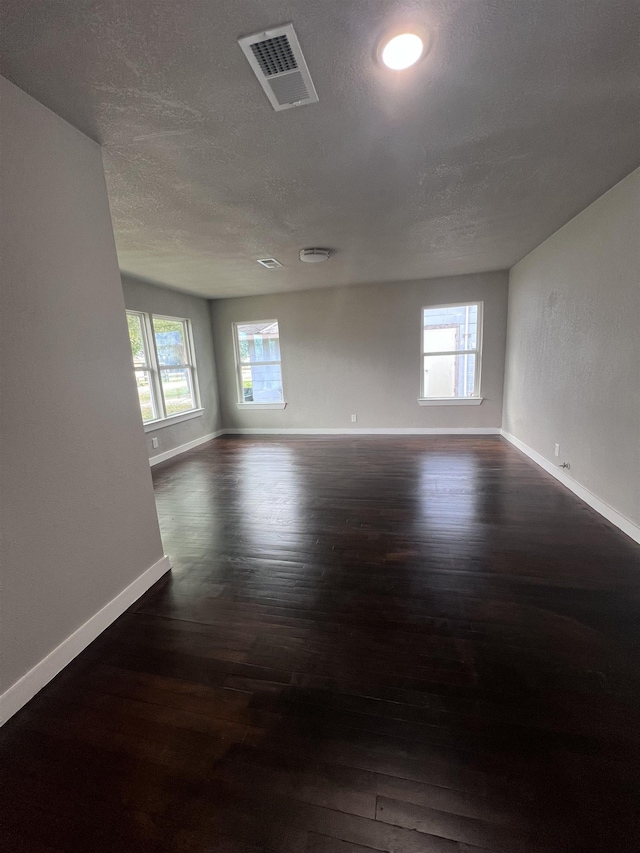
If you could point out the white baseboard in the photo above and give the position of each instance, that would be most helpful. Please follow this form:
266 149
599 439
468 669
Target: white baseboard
182 448
26 687
366 431
621 521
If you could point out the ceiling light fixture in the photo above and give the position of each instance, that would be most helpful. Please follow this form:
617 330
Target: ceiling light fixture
402 51
314 256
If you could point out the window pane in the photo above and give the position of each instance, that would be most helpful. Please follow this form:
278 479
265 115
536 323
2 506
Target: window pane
262 383
258 342
171 341
247 384
177 390
449 375
450 328
136 337
145 395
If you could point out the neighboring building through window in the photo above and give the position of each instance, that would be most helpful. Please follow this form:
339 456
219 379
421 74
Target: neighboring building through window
164 365
258 362
451 348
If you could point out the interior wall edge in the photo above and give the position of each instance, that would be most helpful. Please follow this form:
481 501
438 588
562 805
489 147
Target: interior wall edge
23 690
182 448
604 509
364 431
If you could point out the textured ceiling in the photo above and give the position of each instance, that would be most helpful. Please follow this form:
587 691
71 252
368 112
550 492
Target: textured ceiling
523 112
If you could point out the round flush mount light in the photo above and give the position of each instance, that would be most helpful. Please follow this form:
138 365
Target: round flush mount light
314 256
402 51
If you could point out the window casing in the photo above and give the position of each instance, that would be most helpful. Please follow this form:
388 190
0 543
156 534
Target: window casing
258 364
164 366
451 350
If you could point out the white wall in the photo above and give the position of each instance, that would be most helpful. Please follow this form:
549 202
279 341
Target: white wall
78 514
143 296
573 351
356 350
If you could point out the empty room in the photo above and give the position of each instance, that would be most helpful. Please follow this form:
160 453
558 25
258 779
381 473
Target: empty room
320 426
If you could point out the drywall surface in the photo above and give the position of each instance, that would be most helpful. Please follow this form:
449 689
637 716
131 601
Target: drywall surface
78 515
143 296
573 351
356 350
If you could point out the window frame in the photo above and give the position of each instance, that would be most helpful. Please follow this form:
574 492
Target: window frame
154 368
189 365
241 402
149 366
476 398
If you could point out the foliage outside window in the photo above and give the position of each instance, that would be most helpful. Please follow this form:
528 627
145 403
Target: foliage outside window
258 362
164 365
451 349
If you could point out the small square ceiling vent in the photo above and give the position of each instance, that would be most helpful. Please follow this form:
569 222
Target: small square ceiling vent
270 263
276 58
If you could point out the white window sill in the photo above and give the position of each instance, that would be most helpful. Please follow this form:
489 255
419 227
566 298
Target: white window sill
150 426
261 405
450 401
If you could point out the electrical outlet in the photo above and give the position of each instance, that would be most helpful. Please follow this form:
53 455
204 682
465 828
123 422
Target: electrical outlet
354 419
154 442
557 450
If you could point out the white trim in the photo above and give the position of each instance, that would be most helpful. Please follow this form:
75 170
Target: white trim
182 448
261 405
366 431
450 401
621 521
150 426
33 681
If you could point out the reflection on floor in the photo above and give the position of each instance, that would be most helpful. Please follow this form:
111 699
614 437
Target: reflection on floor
416 645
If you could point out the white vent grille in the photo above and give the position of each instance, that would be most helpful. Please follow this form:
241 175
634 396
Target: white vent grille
274 55
290 89
270 263
279 65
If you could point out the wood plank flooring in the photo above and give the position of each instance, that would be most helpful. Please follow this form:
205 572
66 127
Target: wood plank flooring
411 645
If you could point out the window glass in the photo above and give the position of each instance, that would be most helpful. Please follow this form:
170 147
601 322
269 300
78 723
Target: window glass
164 366
142 359
177 390
450 328
449 375
450 352
145 395
136 338
171 341
259 368
172 347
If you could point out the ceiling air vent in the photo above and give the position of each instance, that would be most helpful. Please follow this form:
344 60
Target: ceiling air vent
270 263
279 65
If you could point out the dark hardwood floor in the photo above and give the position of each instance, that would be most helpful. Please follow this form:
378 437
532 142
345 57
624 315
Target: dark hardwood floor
415 645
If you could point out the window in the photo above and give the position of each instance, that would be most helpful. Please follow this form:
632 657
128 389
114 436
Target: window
142 364
451 347
258 364
175 362
164 366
